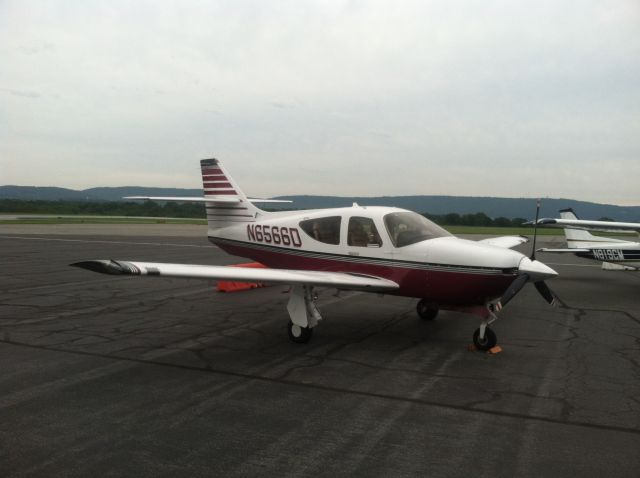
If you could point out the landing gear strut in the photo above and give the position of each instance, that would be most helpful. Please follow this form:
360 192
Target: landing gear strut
484 338
303 313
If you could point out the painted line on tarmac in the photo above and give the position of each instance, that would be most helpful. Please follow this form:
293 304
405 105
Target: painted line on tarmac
164 244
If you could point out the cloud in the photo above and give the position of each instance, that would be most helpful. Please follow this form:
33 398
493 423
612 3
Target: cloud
442 97
23 94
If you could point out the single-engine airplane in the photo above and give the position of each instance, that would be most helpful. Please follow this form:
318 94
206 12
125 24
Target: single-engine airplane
615 254
372 249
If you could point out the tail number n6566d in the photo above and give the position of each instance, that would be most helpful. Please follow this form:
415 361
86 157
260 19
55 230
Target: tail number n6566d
287 236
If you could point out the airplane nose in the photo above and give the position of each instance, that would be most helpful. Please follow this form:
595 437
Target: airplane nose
536 270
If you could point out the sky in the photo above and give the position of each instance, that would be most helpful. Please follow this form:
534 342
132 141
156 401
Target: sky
367 98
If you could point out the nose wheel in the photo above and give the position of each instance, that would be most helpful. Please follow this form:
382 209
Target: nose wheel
487 342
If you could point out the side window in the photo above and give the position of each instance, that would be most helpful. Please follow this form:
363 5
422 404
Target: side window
362 232
324 229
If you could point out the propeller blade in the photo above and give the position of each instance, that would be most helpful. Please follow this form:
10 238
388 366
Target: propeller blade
513 289
545 292
535 231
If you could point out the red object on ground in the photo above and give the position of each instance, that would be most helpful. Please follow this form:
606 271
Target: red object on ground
233 286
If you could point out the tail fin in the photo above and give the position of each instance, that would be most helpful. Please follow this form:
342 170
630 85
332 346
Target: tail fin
575 237
218 184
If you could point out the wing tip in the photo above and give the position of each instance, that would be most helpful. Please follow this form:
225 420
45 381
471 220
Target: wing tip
101 266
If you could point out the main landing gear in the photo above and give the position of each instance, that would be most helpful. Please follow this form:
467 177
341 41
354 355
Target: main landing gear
427 310
483 338
303 313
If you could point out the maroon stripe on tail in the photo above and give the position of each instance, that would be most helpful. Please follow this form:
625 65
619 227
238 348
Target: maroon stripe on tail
209 185
212 171
220 193
215 177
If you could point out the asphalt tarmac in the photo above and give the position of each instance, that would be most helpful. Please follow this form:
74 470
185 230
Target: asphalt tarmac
140 377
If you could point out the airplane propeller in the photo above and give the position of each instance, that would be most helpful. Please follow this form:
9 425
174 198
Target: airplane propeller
532 270
545 292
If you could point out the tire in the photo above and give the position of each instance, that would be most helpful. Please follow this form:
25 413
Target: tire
490 340
426 311
299 335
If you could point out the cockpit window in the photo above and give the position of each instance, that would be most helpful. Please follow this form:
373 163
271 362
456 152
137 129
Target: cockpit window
407 228
324 229
362 232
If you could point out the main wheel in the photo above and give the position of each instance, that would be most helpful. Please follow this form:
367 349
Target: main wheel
299 335
488 342
426 310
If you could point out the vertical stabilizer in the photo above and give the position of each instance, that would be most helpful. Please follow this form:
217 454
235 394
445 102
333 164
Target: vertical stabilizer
228 205
576 237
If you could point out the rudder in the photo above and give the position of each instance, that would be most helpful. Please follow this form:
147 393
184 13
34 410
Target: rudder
575 236
228 204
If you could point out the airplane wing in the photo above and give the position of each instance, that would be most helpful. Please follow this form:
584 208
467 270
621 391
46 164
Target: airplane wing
506 242
545 249
338 280
604 226
204 199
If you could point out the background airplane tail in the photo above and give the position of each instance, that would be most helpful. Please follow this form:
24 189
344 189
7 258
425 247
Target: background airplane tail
576 237
228 205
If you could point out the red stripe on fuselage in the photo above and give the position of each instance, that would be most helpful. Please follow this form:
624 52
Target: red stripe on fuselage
445 287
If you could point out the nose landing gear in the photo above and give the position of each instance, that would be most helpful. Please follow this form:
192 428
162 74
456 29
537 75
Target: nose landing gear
484 338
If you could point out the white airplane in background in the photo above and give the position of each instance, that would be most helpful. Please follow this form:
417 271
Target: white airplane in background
373 249
615 254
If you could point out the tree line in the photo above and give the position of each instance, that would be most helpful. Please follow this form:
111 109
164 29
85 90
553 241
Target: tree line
104 208
194 210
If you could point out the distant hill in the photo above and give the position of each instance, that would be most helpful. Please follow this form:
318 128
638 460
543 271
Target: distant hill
491 206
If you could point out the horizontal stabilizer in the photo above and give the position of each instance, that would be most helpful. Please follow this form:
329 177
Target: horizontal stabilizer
339 280
231 200
608 266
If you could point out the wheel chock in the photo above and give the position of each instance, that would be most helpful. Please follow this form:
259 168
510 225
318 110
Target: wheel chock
234 286
492 351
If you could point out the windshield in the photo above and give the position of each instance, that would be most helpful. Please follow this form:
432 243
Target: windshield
408 227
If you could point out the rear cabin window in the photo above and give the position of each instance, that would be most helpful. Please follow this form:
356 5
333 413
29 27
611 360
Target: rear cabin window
362 232
324 229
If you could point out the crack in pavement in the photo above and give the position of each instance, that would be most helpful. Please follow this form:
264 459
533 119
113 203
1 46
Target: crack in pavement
340 390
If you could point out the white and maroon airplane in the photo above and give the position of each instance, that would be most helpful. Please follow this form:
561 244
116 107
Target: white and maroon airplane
373 249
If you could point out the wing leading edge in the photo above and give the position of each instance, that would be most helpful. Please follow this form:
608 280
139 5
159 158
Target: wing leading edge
339 280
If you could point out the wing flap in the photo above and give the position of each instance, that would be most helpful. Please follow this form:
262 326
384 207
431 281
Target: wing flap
340 280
